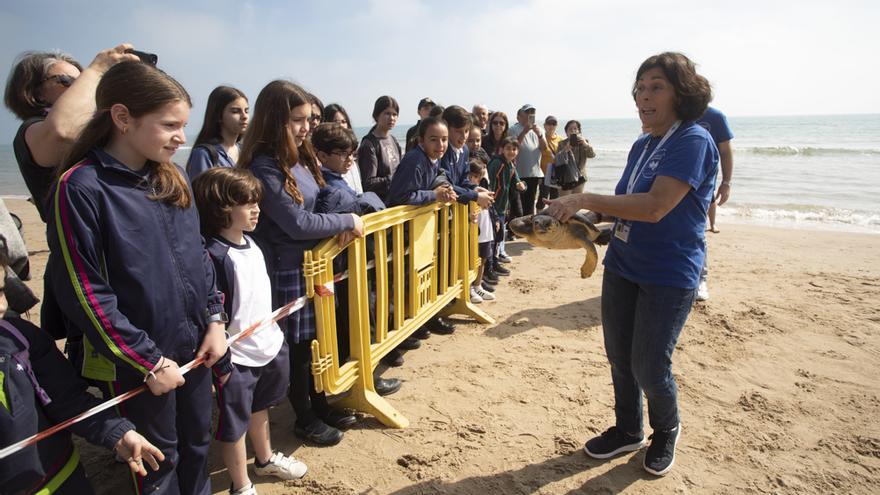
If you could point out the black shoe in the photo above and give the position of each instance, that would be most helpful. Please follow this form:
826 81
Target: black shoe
500 270
440 326
339 419
661 453
410 343
422 333
487 287
490 277
318 432
613 442
393 358
386 386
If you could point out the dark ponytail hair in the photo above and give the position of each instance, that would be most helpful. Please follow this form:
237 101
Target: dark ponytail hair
217 102
143 89
269 134
383 103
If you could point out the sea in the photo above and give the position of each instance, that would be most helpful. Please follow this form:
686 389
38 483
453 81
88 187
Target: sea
805 172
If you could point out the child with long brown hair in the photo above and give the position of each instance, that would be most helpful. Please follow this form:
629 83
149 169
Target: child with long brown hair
131 272
276 150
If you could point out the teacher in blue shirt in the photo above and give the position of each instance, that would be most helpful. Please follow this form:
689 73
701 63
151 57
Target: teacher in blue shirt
653 262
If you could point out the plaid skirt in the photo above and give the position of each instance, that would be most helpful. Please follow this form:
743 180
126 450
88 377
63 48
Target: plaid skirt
287 286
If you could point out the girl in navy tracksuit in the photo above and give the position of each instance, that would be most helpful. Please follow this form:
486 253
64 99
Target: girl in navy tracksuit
275 149
131 272
54 393
226 119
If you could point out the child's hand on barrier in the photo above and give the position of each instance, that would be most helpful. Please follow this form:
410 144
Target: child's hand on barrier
445 193
475 217
164 377
135 449
520 186
358 229
485 198
214 344
345 237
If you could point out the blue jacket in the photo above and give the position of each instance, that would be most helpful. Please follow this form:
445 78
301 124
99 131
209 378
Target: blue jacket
22 414
130 273
412 181
205 156
457 173
338 197
287 227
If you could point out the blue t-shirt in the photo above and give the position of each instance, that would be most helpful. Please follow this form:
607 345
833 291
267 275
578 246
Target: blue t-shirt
716 123
671 251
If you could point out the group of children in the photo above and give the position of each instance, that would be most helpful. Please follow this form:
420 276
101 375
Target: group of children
151 268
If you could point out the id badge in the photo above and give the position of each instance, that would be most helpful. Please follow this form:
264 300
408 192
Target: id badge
621 231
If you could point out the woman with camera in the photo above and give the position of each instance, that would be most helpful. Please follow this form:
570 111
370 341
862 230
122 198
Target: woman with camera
570 166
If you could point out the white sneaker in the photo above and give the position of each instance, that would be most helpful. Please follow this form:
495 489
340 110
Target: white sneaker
282 466
476 298
248 490
703 291
486 295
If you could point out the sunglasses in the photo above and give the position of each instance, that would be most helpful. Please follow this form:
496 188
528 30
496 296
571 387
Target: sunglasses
63 79
498 122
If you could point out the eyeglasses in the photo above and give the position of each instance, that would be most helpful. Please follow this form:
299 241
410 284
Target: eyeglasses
498 122
63 79
345 155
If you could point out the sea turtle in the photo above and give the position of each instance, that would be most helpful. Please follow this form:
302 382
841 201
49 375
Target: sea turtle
578 232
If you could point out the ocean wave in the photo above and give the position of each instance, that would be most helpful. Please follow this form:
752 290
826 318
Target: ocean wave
807 151
806 214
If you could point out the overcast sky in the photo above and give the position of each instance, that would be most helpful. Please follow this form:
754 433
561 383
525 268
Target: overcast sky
574 59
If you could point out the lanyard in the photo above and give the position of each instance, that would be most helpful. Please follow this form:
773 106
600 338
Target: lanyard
640 164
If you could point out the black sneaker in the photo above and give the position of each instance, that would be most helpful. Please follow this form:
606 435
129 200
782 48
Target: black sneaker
613 442
394 358
487 286
386 386
490 278
500 270
410 344
422 333
661 453
318 432
440 326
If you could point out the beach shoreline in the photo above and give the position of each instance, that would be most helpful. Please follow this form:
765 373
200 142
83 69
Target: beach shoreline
774 373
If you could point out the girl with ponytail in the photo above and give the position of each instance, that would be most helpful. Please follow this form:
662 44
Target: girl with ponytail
131 273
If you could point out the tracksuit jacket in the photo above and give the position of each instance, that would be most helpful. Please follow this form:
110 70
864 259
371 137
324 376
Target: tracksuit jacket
107 238
412 181
457 173
53 463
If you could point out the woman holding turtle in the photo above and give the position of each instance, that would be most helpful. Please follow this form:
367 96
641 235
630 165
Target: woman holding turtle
652 266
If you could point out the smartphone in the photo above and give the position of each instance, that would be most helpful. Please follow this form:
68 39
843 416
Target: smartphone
531 119
147 58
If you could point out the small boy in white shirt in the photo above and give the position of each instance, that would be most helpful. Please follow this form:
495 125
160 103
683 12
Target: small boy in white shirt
259 373
486 237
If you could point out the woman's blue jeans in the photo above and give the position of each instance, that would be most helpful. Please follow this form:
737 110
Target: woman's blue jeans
641 323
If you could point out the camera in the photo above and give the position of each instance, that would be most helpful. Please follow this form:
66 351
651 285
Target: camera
531 119
573 140
147 58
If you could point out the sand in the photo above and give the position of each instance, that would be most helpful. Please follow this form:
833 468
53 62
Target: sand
777 375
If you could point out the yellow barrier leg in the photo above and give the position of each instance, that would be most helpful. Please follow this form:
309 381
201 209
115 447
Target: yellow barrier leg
466 235
363 395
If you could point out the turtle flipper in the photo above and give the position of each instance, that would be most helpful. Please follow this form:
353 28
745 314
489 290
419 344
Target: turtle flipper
591 260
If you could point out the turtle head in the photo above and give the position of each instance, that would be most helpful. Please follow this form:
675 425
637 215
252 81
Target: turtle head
522 226
546 227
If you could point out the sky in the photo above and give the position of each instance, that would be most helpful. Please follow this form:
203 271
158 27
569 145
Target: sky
572 59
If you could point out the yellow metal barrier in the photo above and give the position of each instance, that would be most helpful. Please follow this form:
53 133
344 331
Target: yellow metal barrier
433 261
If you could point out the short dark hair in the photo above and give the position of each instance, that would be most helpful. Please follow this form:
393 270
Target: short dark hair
28 73
693 91
428 122
436 111
457 117
509 140
217 190
476 166
330 136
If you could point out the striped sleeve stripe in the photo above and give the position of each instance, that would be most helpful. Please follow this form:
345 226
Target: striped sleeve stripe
82 287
